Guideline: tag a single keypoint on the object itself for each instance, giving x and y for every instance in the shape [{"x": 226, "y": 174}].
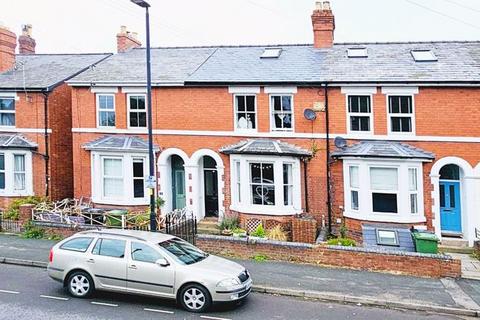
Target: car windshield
[{"x": 183, "y": 251}]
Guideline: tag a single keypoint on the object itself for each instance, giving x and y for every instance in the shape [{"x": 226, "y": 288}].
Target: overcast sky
[{"x": 91, "y": 25}]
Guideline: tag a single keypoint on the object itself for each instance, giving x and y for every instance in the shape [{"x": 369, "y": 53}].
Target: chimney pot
[
  {"x": 326, "y": 5},
  {"x": 123, "y": 29},
  {"x": 319, "y": 5},
  {"x": 27, "y": 43}
]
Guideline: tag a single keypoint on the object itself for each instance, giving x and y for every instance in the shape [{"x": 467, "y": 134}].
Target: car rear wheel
[
  {"x": 195, "y": 298},
  {"x": 80, "y": 284}
]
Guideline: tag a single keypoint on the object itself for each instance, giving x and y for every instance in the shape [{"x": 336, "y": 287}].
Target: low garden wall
[{"x": 408, "y": 263}]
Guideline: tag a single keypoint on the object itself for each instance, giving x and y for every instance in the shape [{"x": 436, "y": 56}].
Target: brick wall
[{"x": 416, "y": 264}]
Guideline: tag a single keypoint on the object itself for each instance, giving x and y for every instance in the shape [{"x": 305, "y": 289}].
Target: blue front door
[{"x": 450, "y": 210}]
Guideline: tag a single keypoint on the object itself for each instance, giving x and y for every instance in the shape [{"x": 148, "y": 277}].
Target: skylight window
[
  {"x": 271, "y": 53},
  {"x": 357, "y": 53},
  {"x": 424, "y": 56}
]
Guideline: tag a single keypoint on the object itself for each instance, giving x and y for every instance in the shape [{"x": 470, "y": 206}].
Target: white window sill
[
  {"x": 266, "y": 210},
  {"x": 16, "y": 194},
  {"x": 385, "y": 217}
]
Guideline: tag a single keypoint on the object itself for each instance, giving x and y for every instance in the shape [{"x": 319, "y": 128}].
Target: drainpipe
[
  {"x": 327, "y": 131},
  {"x": 46, "y": 155},
  {"x": 305, "y": 181}
]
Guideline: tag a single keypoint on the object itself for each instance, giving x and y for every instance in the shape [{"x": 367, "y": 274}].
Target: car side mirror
[{"x": 162, "y": 262}]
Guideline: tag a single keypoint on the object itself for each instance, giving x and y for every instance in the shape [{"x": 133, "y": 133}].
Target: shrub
[
  {"x": 259, "y": 232},
  {"x": 260, "y": 258},
  {"x": 229, "y": 223},
  {"x": 277, "y": 233},
  {"x": 344, "y": 242},
  {"x": 32, "y": 232},
  {"x": 13, "y": 210}
]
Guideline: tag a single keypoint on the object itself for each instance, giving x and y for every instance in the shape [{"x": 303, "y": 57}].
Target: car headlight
[{"x": 226, "y": 283}]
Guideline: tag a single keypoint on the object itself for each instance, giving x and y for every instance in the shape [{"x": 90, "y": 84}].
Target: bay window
[
  {"x": 16, "y": 177},
  {"x": 383, "y": 190},
  {"x": 119, "y": 179},
  {"x": 265, "y": 184}
]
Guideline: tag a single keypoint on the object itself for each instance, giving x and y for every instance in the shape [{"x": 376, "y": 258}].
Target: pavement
[
  {"x": 470, "y": 265},
  {"x": 459, "y": 297},
  {"x": 42, "y": 298}
]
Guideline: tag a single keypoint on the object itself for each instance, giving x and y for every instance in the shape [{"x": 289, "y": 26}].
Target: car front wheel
[
  {"x": 80, "y": 284},
  {"x": 195, "y": 298}
]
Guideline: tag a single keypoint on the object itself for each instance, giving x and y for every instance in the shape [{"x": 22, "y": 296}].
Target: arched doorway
[
  {"x": 210, "y": 186},
  {"x": 450, "y": 199},
  {"x": 178, "y": 182}
]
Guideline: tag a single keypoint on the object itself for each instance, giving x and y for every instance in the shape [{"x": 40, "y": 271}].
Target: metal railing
[{"x": 8, "y": 225}]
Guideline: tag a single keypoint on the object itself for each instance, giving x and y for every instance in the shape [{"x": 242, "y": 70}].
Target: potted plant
[
  {"x": 239, "y": 233},
  {"x": 259, "y": 233}
]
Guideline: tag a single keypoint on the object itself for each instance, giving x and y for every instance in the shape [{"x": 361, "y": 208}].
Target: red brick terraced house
[
  {"x": 35, "y": 118},
  {"x": 393, "y": 140}
]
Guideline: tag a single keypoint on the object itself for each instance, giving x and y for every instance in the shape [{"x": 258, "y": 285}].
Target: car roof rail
[{"x": 102, "y": 233}]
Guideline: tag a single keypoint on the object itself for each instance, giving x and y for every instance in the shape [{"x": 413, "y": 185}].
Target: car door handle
[
  {"x": 91, "y": 261},
  {"x": 134, "y": 267}
]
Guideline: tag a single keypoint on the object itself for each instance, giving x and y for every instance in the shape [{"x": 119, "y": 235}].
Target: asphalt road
[{"x": 28, "y": 293}]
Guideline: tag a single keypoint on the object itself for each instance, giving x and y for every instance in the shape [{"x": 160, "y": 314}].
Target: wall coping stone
[{"x": 46, "y": 224}]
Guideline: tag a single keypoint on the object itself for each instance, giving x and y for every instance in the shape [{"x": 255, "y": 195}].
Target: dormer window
[
  {"x": 357, "y": 53},
  {"x": 424, "y": 56},
  {"x": 271, "y": 53}
]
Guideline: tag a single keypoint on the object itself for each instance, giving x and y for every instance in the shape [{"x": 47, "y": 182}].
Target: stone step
[
  {"x": 454, "y": 242},
  {"x": 451, "y": 249}
]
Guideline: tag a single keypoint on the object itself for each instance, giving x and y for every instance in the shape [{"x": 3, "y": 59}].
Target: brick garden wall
[{"x": 416, "y": 264}]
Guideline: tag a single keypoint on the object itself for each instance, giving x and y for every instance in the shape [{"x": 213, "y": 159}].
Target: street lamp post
[{"x": 151, "y": 156}]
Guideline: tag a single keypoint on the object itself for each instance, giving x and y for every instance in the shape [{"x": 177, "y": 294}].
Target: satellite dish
[
  {"x": 309, "y": 114},
  {"x": 340, "y": 142}
]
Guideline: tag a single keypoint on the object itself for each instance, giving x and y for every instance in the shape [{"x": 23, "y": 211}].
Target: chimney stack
[
  {"x": 127, "y": 40},
  {"x": 323, "y": 22},
  {"x": 8, "y": 43},
  {"x": 27, "y": 43}
]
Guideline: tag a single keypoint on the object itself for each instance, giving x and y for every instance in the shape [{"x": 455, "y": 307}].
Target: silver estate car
[{"x": 146, "y": 263}]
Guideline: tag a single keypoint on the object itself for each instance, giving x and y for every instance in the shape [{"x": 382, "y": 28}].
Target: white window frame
[
  {"x": 103, "y": 176},
  {"x": 10, "y": 190},
  {"x": 135, "y": 110},
  {"x": 15, "y": 99},
  {"x": 353, "y": 189},
  {"x": 235, "y": 111},
  {"x": 97, "y": 98},
  {"x": 24, "y": 172},
  {"x": 3, "y": 171},
  {"x": 400, "y": 115},
  {"x": 365, "y": 211},
  {"x": 272, "y": 117},
  {"x": 359, "y": 114},
  {"x": 97, "y": 186},
  {"x": 245, "y": 205},
  {"x": 143, "y": 161},
  {"x": 395, "y": 192},
  {"x": 413, "y": 192}
]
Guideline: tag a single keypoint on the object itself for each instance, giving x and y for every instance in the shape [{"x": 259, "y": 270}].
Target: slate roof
[
  {"x": 42, "y": 71},
  {"x": 119, "y": 143},
  {"x": 169, "y": 65},
  {"x": 383, "y": 149},
  {"x": 265, "y": 147},
  {"x": 458, "y": 62},
  {"x": 393, "y": 62},
  {"x": 16, "y": 141}
]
